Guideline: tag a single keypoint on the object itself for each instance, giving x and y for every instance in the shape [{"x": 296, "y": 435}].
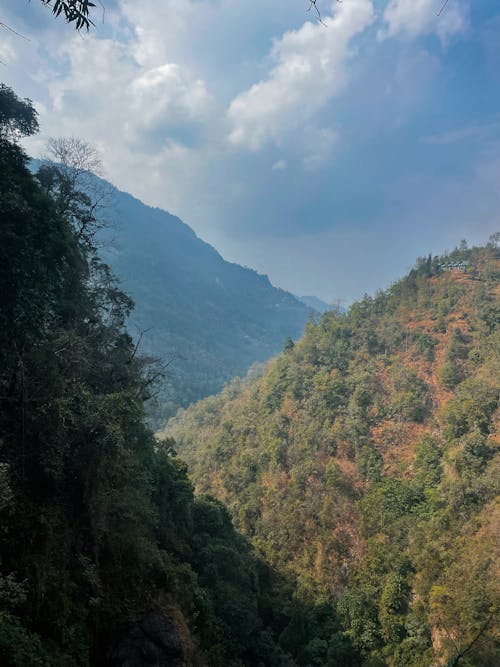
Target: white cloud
[
  {"x": 107, "y": 82},
  {"x": 148, "y": 122},
  {"x": 462, "y": 134},
  {"x": 160, "y": 28},
  {"x": 136, "y": 95},
  {"x": 421, "y": 17},
  {"x": 162, "y": 86},
  {"x": 280, "y": 165},
  {"x": 7, "y": 51},
  {"x": 309, "y": 70},
  {"x": 168, "y": 93}
]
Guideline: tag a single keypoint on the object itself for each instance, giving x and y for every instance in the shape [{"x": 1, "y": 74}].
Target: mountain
[
  {"x": 107, "y": 558},
  {"x": 363, "y": 464},
  {"x": 315, "y": 303},
  {"x": 209, "y": 319}
]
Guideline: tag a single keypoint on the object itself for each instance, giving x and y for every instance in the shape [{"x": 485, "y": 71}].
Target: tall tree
[{"x": 70, "y": 175}]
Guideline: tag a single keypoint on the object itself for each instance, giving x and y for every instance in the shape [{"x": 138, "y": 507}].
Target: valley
[{"x": 199, "y": 468}]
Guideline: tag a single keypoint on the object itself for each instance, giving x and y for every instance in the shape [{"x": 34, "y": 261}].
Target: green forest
[
  {"x": 106, "y": 555},
  {"x": 339, "y": 509},
  {"x": 363, "y": 466}
]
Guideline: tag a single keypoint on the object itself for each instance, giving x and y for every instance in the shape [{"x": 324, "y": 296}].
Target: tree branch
[
  {"x": 443, "y": 7},
  {"x": 74, "y": 11},
  {"x": 18, "y": 34},
  {"x": 313, "y": 3}
]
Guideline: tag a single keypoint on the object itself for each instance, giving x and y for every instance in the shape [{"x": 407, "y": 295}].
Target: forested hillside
[
  {"x": 363, "y": 464},
  {"x": 106, "y": 556},
  {"x": 361, "y": 467},
  {"x": 207, "y": 318}
]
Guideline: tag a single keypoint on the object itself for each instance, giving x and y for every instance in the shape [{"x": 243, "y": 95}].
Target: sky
[{"x": 328, "y": 156}]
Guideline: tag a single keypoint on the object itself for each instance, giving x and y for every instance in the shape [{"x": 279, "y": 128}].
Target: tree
[
  {"x": 79, "y": 11},
  {"x": 70, "y": 176},
  {"x": 27, "y": 220},
  {"x": 74, "y": 11},
  {"x": 18, "y": 118}
]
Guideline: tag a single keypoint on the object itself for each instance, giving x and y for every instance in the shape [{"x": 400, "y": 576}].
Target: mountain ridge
[
  {"x": 362, "y": 463},
  {"x": 204, "y": 318},
  {"x": 208, "y": 318},
  {"x": 315, "y": 303}
]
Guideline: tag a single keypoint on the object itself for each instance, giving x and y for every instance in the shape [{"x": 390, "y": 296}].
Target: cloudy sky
[{"x": 328, "y": 156}]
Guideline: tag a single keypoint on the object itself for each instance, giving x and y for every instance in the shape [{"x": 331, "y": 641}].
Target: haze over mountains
[
  {"x": 332, "y": 500},
  {"x": 353, "y": 502},
  {"x": 207, "y": 318},
  {"x": 315, "y": 303}
]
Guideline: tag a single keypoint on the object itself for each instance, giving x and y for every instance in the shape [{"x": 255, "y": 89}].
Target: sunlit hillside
[
  {"x": 364, "y": 462},
  {"x": 198, "y": 466}
]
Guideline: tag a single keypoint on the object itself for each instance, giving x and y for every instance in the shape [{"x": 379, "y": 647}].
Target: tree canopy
[
  {"x": 107, "y": 557},
  {"x": 364, "y": 463}
]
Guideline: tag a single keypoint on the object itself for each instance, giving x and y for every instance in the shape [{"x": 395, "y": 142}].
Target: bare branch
[
  {"x": 460, "y": 653},
  {"x": 138, "y": 343},
  {"x": 442, "y": 8},
  {"x": 481, "y": 630},
  {"x": 313, "y": 3},
  {"x": 451, "y": 638},
  {"x": 72, "y": 175},
  {"x": 153, "y": 370},
  {"x": 18, "y": 34},
  {"x": 103, "y": 10}
]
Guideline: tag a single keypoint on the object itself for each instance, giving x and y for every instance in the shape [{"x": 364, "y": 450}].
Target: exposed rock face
[{"x": 158, "y": 639}]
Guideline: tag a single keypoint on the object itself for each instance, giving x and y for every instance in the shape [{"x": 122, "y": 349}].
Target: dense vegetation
[
  {"x": 364, "y": 464},
  {"x": 106, "y": 556},
  {"x": 207, "y": 318},
  {"x": 361, "y": 465}
]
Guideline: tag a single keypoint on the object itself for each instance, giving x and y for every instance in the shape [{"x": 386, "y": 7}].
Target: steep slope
[
  {"x": 106, "y": 556},
  {"x": 315, "y": 304},
  {"x": 364, "y": 463},
  {"x": 208, "y": 318}
]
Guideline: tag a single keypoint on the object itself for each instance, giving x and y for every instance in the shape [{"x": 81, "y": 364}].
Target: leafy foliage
[
  {"x": 363, "y": 475},
  {"x": 18, "y": 118},
  {"x": 101, "y": 533},
  {"x": 363, "y": 463},
  {"x": 74, "y": 11}
]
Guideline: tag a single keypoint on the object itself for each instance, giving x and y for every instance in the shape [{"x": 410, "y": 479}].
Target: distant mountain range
[
  {"x": 313, "y": 303},
  {"x": 209, "y": 319}
]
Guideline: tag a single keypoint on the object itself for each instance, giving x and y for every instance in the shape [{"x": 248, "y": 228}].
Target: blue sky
[{"x": 328, "y": 157}]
